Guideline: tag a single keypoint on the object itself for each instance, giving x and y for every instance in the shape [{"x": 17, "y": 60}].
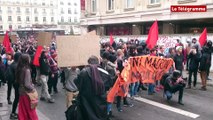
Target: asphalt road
[{"x": 196, "y": 101}]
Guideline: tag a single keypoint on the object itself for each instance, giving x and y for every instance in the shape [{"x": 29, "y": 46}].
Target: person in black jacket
[
  {"x": 44, "y": 72},
  {"x": 2, "y": 71},
  {"x": 194, "y": 59},
  {"x": 174, "y": 83},
  {"x": 205, "y": 63},
  {"x": 92, "y": 83},
  {"x": 12, "y": 68}
]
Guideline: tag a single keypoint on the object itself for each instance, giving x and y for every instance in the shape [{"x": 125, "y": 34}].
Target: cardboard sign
[
  {"x": 44, "y": 38},
  {"x": 1, "y": 39},
  {"x": 76, "y": 50},
  {"x": 13, "y": 38}
]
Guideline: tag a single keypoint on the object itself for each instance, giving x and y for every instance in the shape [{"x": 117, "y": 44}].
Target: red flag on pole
[
  {"x": 111, "y": 40},
  {"x": 6, "y": 43},
  {"x": 152, "y": 36},
  {"x": 203, "y": 38},
  {"x": 37, "y": 56}
]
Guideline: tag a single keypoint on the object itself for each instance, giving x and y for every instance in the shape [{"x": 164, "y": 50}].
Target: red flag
[
  {"x": 153, "y": 36},
  {"x": 203, "y": 38},
  {"x": 111, "y": 40},
  {"x": 37, "y": 56},
  {"x": 6, "y": 43}
]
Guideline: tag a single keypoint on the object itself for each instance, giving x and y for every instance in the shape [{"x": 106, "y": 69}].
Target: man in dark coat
[
  {"x": 205, "y": 64},
  {"x": 92, "y": 83},
  {"x": 194, "y": 59},
  {"x": 12, "y": 68}
]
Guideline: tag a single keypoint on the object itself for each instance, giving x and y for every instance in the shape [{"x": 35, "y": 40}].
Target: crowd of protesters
[{"x": 90, "y": 84}]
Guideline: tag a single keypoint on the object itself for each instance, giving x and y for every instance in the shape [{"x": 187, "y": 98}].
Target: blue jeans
[
  {"x": 134, "y": 88},
  {"x": 109, "y": 107},
  {"x": 151, "y": 88}
]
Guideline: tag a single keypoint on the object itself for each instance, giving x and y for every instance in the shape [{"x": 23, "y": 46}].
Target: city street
[{"x": 197, "y": 106}]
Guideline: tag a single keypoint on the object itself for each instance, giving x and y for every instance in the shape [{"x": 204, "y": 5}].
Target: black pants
[
  {"x": 16, "y": 100},
  {"x": 118, "y": 105},
  {"x": 178, "y": 87},
  {"x": 194, "y": 72},
  {"x": 187, "y": 63},
  {"x": 9, "y": 89},
  {"x": 208, "y": 71},
  {"x": 52, "y": 83}
]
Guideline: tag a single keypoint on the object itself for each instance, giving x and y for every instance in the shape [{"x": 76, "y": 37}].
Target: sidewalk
[
  {"x": 5, "y": 109},
  {"x": 209, "y": 82}
]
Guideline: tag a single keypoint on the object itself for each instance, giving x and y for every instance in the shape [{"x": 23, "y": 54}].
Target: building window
[
  {"x": 69, "y": 3},
  {"x": 110, "y": 4},
  {"x": 19, "y": 26},
  {"x": 19, "y": 18},
  {"x": 0, "y": 18},
  {"x": 52, "y": 19},
  {"x": 18, "y": 10},
  {"x": 94, "y": 5},
  {"x": 69, "y": 11},
  {"x": 62, "y": 19},
  {"x": 44, "y": 10},
  {"x": 9, "y": 9},
  {"x": 52, "y": 12},
  {"x": 61, "y": 3},
  {"x": 35, "y": 10},
  {"x": 0, "y": 9},
  {"x": 27, "y": 10},
  {"x": 1, "y": 27},
  {"x": 36, "y": 19},
  {"x": 51, "y": 3},
  {"x": 76, "y": 3},
  {"x": 9, "y": 18},
  {"x": 154, "y": 1},
  {"x": 43, "y": 3},
  {"x": 62, "y": 11},
  {"x": 129, "y": 3},
  {"x": 27, "y": 18},
  {"x": 75, "y": 19},
  {"x": 44, "y": 19},
  {"x": 76, "y": 11},
  {"x": 70, "y": 20}
]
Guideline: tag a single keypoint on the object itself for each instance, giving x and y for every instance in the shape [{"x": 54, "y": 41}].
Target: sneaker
[
  {"x": 203, "y": 88},
  {"x": 13, "y": 116},
  {"x": 51, "y": 100},
  {"x": 42, "y": 99},
  {"x": 128, "y": 105},
  {"x": 132, "y": 98},
  {"x": 10, "y": 102},
  {"x": 188, "y": 87},
  {"x": 180, "y": 102},
  {"x": 120, "y": 110}
]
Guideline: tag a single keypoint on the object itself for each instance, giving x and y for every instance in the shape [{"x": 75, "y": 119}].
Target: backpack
[{"x": 163, "y": 79}]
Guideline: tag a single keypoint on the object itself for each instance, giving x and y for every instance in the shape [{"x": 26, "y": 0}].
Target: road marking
[
  {"x": 41, "y": 116},
  {"x": 169, "y": 108}
]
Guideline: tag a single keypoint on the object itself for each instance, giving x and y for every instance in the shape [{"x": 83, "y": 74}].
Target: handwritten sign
[
  {"x": 76, "y": 50},
  {"x": 44, "y": 38},
  {"x": 150, "y": 68}
]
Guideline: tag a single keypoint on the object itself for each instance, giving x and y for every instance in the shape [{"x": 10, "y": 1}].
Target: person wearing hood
[
  {"x": 91, "y": 84},
  {"x": 12, "y": 68},
  {"x": 194, "y": 58},
  {"x": 174, "y": 83},
  {"x": 205, "y": 63}
]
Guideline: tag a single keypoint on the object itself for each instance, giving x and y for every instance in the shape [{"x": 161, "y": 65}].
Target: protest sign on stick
[
  {"x": 75, "y": 50},
  {"x": 1, "y": 39},
  {"x": 44, "y": 38}
]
